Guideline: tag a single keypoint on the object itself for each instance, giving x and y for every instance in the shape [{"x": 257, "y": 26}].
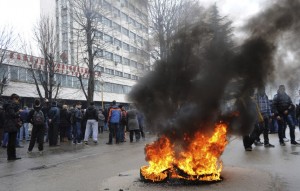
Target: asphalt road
[{"x": 105, "y": 167}]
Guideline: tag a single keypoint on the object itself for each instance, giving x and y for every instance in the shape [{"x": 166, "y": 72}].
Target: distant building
[{"x": 119, "y": 64}]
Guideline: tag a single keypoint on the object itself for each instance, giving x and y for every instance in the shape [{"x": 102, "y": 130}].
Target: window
[
  {"x": 117, "y": 58},
  {"x": 131, "y": 35},
  {"x": 106, "y": 5},
  {"x": 134, "y": 77},
  {"x": 132, "y": 49},
  {"x": 131, "y": 21},
  {"x": 118, "y": 73},
  {"x": 126, "y": 61},
  {"x": 117, "y": 88},
  {"x": 126, "y": 89},
  {"x": 99, "y": 53},
  {"x": 109, "y": 71},
  {"x": 124, "y": 3},
  {"x": 126, "y": 75},
  {"x": 22, "y": 74},
  {"x": 140, "y": 66},
  {"x": 125, "y": 31},
  {"x": 116, "y": 26},
  {"x": 116, "y": 12},
  {"x": 125, "y": 46},
  {"x": 69, "y": 80},
  {"x": 108, "y": 38},
  {"x": 145, "y": 29},
  {"x": 138, "y": 25},
  {"x": 117, "y": 43},
  {"x": 63, "y": 80},
  {"x": 99, "y": 69},
  {"x": 139, "y": 39},
  {"x": 133, "y": 63},
  {"x": 108, "y": 55},
  {"x": 139, "y": 13},
  {"x": 147, "y": 68},
  {"x": 3, "y": 71},
  {"x": 99, "y": 34},
  {"x": 107, "y": 87},
  {"x": 131, "y": 7},
  {"x": 138, "y": 51},
  {"x": 14, "y": 73},
  {"x": 106, "y": 21},
  {"x": 124, "y": 17}
]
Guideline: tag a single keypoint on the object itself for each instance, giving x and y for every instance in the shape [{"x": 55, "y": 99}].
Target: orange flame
[{"x": 199, "y": 161}]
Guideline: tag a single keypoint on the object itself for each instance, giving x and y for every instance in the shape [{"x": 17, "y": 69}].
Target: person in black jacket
[
  {"x": 11, "y": 121},
  {"x": 64, "y": 123},
  {"x": 37, "y": 118},
  {"x": 282, "y": 107},
  {"x": 91, "y": 115},
  {"x": 54, "y": 118}
]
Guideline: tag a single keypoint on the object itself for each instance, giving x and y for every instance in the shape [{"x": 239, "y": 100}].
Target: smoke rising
[{"x": 184, "y": 94}]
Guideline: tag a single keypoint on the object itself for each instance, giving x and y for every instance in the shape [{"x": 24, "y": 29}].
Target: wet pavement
[{"x": 116, "y": 167}]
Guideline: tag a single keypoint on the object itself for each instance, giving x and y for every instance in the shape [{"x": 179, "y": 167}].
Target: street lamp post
[{"x": 102, "y": 83}]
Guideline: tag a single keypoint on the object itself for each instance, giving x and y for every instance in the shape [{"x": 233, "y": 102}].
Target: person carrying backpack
[
  {"x": 114, "y": 118},
  {"x": 37, "y": 118}
]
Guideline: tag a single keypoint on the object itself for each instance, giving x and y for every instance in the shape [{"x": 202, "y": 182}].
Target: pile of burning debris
[{"x": 198, "y": 162}]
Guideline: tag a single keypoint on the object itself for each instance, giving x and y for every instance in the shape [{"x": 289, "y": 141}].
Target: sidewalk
[{"x": 64, "y": 147}]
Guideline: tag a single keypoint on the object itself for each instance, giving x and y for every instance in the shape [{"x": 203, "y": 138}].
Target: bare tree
[
  {"x": 45, "y": 37},
  {"x": 7, "y": 40},
  {"x": 89, "y": 30},
  {"x": 166, "y": 17}
]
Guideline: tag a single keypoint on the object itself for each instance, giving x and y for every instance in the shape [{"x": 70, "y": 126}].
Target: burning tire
[{"x": 160, "y": 177}]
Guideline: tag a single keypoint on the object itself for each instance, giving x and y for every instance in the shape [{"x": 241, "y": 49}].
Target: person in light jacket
[{"x": 133, "y": 124}]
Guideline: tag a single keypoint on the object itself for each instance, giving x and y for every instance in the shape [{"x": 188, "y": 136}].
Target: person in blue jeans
[
  {"x": 76, "y": 118},
  {"x": 114, "y": 119},
  {"x": 282, "y": 107},
  {"x": 24, "y": 129}
]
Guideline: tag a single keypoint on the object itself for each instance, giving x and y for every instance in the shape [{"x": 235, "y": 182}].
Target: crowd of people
[
  {"x": 279, "y": 113},
  {"x": 56, "y": 124}
]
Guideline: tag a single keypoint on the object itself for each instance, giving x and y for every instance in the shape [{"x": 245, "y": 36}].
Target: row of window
[
  {"x": 124, "y": 3},
  {"x": 19, "y": 74},
  {"x": 122, "y": 30},
  {"x": 116, "y": 73},
  {"x": 120, "y": 60}
]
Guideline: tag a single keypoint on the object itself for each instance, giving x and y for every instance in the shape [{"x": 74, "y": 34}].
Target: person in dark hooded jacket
[
  {"x": 53, "y": 119},
  {"x": 282, "y": 107},
  {"x": 11, "y": 125},
  {"x": 37, "y": 118}
]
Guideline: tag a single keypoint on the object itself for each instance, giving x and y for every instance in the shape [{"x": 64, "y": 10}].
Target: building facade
[{"x": 122, "y": 57}]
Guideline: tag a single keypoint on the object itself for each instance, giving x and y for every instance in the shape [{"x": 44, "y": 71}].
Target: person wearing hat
[
  {"x": 12, "y": 124},
  {"x": 54, "y": 119}
]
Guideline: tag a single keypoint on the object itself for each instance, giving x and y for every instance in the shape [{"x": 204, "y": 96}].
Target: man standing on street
[
  {"x": 114, "y": 118},
  {"x": 53, "y": 116},
  {"x": 11, "y": 125},
  {"x": 37, "y": 119},
  {"x": 283, "y": 105},
  {"x": 263, "y": 103},
  {"x": 91, "y": 115}
]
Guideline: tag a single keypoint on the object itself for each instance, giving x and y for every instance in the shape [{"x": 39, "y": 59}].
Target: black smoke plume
[{"x": 184, "y": 94}]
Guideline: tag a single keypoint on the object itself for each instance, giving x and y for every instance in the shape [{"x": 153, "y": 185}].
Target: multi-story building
[
  {"x": 122, "y": 42},
  {"x": 121, "y": 60}
]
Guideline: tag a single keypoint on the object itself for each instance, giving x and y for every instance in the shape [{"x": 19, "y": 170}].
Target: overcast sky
[{"x": 23, "y": 14}]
